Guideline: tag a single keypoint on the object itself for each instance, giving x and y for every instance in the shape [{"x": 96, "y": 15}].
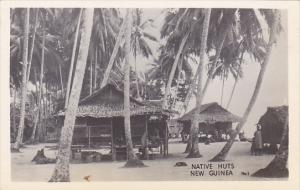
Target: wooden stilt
[
  {"x": 146, "y": 148},
  {"x": 113, "y": 150},
  {"x": 166, "y": 139},
  {"x": 89, "y": 136}
]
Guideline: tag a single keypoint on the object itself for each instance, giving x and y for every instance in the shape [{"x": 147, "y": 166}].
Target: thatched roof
[
  {"x": 211, "y": 112},
  {"x": 279, "y": 113},
  {"x": 272, "y": 123},
  {"x": 109, "y": 102}
]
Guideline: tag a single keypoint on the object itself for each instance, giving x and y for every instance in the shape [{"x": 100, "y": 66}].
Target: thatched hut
[
  {"x": 174, "y": 127},
  {"x": 213, "y": 120},
  {"x": 100, "y": 123},
  {"x": 272, "y": 124}
]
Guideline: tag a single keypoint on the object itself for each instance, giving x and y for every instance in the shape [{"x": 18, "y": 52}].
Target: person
[
  {"x": 258, "y": 145},
  {"x": 144, "y": 145}
]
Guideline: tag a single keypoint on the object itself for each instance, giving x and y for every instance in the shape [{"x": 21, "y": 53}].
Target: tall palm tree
[
  {"x": 72, "y": 59},
  {"x": 61, "y": 172},
  {"x": 32, "y": 43},
  {"x": 224, "y": 27},
  {"x": 194, "y": 150},
  {"x": 38, "y": 116},
  {"x": 275, "y": 27},
  {"x": 139, "y": 42},
  {"x": 132, "y": 161},
  {"x": 19, "y": 138}
]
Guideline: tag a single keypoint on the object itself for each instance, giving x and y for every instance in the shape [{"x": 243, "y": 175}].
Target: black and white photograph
[{"x": 191, "y": 93}]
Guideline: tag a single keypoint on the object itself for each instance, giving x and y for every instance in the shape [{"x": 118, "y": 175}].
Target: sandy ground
[{"x": 161, "y": 169}]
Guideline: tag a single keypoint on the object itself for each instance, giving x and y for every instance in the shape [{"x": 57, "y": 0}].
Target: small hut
[
  {"x": 214, "y": 120},
  {"x": 100, "y": 124},
  {"x": 174, "y": 128},
  {"x": 272, "y": 124}
]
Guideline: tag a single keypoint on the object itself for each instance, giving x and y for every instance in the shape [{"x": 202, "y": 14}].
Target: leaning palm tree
[
  {"x": 61, "y": 172},
  {"x": 275, "y": 27},
  {"x": 194, "y": 140},
  {"x": 113, "y": 55},
  {"x": 19, "y": 138},
  {"x": 132, "y": 161},
  {"x": 139, "y": 44}
]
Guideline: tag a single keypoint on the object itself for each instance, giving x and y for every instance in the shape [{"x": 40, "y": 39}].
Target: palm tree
[
  {"x": 40, "y": 90},
  {"x": 224, "y": 28},
  {"x": 172, "y": 73},
  {"x": 32, "y": 43},
  {"x": 132, "y": 161},
  {"x": 194, "y": 150},
  {"x": 139, "y": 43},
  {"x": 113, "y": 55},
  {"x": 61, "y": 171},
  {"x": 19, "y": 138},
  {"x": 275, "y": 27},
  {"x": 72, "y": 59}
]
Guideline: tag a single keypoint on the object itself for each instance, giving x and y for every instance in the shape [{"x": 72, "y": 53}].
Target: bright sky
[{"x": 274, "y": 90}]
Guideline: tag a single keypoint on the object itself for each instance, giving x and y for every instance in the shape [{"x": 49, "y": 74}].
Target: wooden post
[
  {"x": 146, "y": 148},
  {"x": 89, "y": 136},
  {"x": 113, "y": 150},
  {"x": 166, "y": 139}
]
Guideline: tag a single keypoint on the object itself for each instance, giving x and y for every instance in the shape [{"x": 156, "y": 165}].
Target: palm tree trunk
[
  {"x": 95, "y": 68},
  {"x": 91, "y": 76},
  {"x": 177, "y": 83},
  {"x": 222, "y": 91},
  {"x": 32, "y": 45},
  {"x": 19, "y": 138},
  {"x": 40, "y": 127},
  {"x": 194, "y": 150},
  {"x": 223, "y": 153},
  {"x": 32, "y": 138},
  {"x": 61, "y": 172},
  {"x": 231, "y": 94},
  {"x": 113, "y": 56},
  {"x": 235, "y": 82},
  {"x": 72, "y": 60},
  {"x": 14, "y": 128},
  {"x": 277, "y": 167},
  {"x": 132, "y": 161},
  {"x": 224, "y": 33},
  {"x": 137, "y": 78},
  {"x": 61, "y": 81},
  {"x": 172, "y": 73}
]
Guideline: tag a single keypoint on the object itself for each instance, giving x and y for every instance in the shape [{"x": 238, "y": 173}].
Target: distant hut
[
  {"x": 100, "y": 123},
  {"x": 272, "y": 124},
  {"x": 175, "y": 128},
  {"x": 213, "y": 119}
]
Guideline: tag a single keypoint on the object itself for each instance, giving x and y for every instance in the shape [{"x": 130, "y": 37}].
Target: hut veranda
[{"x": 99, "y": 125}]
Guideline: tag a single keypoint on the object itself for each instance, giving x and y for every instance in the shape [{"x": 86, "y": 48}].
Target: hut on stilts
[
  {"x": 100, "y": 125},
  {"x": 214, "y": 121}
]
